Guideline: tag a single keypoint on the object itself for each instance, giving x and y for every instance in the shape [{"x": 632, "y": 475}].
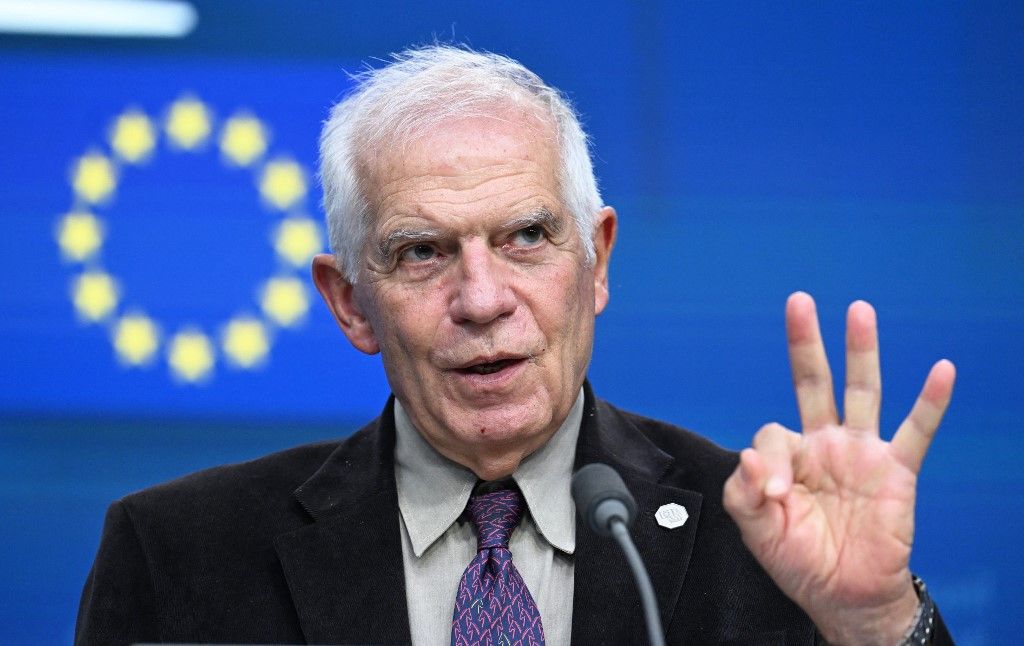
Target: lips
[
  {"x": 489, "y": 367},
  {"x": 485, "y": 377}
]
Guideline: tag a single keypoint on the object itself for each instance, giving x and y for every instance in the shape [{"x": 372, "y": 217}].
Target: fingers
[
  {"x": 764, "y": 475},
  {"x": 916, "y": 432},
  {"x": 863, "y": 392},
  {"x": 812, "y": 377}
]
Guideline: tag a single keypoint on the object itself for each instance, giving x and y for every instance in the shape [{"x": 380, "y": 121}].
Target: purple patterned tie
[{"x": 493, "y": 606}]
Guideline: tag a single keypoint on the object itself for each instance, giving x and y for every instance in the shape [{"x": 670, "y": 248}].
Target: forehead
[{"x": 504, "y": 158}]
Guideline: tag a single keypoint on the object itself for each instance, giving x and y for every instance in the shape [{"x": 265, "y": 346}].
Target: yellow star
[
  {"x": 246, "y": 342},
  {"x": 190, "y": 355},
  {"x": 94, "y": 294},
  {"x": 136, "y": 339},
  {"x": 297, "y": 240},
  {"x": 79, "y": 235},
  {"x": 243, "y": 140},
  {"x": 284, "y": 300},
  {"x": 133, "y": 136},
  {"x": 282, "y": 183},
  {"x": 188, "y": 123},
  {"x": 93, "y": 177}
]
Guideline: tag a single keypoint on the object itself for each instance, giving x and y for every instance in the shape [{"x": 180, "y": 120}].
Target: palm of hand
[
  {"x": 846, "y": 511},
  {"x": 829, "y": 513}
]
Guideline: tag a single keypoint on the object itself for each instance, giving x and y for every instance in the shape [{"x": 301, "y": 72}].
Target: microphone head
[{"x": 600, "y": 496}]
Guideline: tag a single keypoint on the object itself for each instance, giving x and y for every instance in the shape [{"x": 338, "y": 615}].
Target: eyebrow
[{"x": 541, "y": 216}]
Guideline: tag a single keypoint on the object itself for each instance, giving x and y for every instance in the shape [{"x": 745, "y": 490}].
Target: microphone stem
[{"x": 643, "y": 582}]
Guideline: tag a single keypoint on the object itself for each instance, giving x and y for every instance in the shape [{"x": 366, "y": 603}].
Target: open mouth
[{"x": 489, "y": 367}]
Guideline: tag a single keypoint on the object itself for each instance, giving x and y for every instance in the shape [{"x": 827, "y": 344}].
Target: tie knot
[{"x": 495, "y": 515}]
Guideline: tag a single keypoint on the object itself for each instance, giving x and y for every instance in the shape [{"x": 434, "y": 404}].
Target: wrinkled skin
[{"x": 483, "y": 265}]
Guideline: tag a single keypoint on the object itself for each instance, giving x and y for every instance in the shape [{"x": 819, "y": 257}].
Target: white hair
[{"x": 419, "y": 89}]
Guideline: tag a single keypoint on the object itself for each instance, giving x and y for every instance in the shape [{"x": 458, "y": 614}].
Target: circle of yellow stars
[{"x": 191, "y": 353}]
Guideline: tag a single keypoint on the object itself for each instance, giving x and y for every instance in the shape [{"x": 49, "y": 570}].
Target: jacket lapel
[
  {"x": 606, "y": 606},
  {"x": 344, "y": 571}
]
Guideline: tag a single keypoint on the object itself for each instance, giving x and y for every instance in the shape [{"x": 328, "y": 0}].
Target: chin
[{"x": 506, "y": 424}]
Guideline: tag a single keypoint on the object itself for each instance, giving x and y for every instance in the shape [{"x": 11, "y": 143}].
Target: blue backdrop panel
[{"x": 869, "y": 151}]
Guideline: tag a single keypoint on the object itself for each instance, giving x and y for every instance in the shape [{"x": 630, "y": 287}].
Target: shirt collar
[
  {"x": 433, "y": 490},
  {"x": 545, "y": 478}
]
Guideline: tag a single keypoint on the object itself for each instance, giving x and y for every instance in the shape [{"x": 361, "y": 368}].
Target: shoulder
[
  {"x": 239, "y": 507},
  {"x": 282, "y": 471},
  {"x": 191, "y": 551},
  {"x": 248, "y": 501},
  {"x": 699, "y": 459}
]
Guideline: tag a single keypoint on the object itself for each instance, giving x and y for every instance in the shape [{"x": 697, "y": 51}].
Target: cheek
[
  {"x": 409, "y": 321},
  {"x": 564, "y": 313}
]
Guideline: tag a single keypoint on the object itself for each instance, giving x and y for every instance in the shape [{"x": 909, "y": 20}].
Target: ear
[
  {"x": 340, "y": 296},
  {"x": 604, "y": 240}
]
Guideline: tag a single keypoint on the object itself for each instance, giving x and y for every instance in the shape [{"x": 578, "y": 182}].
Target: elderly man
[{"x": 471, "y": 250}]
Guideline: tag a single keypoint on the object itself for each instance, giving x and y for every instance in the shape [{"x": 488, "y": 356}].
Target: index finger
[{"x": 812, "y": 377}]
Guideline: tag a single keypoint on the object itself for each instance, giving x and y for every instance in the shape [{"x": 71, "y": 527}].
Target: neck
[{"x": 493, "y": 462}]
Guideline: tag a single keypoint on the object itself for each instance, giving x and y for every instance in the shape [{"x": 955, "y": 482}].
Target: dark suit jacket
[{"x": 304, "y": 546}]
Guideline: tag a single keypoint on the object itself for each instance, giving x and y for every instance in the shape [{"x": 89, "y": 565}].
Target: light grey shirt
[{"x": 437, "y": 545}]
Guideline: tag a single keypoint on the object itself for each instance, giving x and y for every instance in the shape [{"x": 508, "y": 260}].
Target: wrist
[{"x": 878, "y": 626}]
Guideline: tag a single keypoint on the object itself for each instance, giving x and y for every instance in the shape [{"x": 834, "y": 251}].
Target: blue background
[{"x": 868, "y": 151}]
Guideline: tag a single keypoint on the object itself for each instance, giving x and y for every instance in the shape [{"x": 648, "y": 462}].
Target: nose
[{"x": 483, "y": 293}]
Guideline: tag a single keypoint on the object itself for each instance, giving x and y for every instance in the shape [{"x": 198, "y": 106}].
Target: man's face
[{"x": 476, "y": 290}]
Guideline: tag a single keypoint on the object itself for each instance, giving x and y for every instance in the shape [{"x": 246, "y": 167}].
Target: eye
[
  {"x": 419, "y": 253},
  {"x": 528, "y": 236}
]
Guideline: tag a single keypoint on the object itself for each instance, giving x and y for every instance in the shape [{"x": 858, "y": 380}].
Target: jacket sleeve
[
  {"x": 940, "y": 634},
  {"x": 118, "y": 603}
]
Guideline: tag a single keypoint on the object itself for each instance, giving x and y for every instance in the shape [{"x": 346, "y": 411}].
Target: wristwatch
[{"x": 922, "y": 629}]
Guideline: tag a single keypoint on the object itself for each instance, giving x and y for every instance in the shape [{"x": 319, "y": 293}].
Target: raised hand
[{"x": 829, "y": 512}]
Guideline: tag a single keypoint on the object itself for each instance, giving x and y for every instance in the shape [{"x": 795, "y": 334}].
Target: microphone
[{"x": 603, "y": 501}]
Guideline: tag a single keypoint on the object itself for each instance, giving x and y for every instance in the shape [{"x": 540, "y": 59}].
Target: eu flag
[{"x": 161, "y": 220}]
